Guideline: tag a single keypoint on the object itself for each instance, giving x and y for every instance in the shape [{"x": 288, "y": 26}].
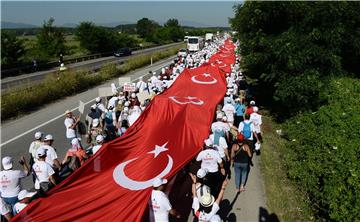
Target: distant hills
[{"x": 17, "y": 25}]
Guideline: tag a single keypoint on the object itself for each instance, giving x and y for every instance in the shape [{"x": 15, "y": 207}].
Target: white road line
[{"x": 55, "y": 118}]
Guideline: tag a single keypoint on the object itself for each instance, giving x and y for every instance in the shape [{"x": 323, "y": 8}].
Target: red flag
[{"x": 116, "y": 183}]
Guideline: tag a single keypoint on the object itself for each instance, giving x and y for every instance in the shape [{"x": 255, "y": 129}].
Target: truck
[
  {"x": 209, "y": 37},
  {"x": 195, "y": 43}
]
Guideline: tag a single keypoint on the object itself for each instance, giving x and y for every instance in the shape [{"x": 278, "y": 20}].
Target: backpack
[
  {"x": 217, "y": 134},
  {"x": 247, "y": 130},
  {"x": 108, "y": 118}
]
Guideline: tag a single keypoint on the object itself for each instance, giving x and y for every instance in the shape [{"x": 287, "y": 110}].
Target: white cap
[
  {"x": 99, "y": 138},
  {"x": 206, "y": 200},
  {"x": 67, "y": 111},
  {"x": 7, "y": 163},
  {"x": 127, "y": 103},
  {"x": 219, "y": 116},
  {"x": 208, "y": 143},
  {"x": 98, "y": 99},
  {"x": 93, "y": 106},
  {"x": 158, "y": 182},
  {"x": 24, "y": 193},
  {"x": 133, "y": 95},
  {"x": 154, "y": 73},
  {"x": 38, "y": 135},
  {"x": 95, "y": 122},
  {"x": 48, "y": 137},
  {"x": 75, "y": 141},
  {"x": 41, "y": 151},
  {"x": 126, "y": 109},
  {"x": 201, "y": 173},
  {"x": 252, "y": 102},
  {"x": 255, "y": 109}
]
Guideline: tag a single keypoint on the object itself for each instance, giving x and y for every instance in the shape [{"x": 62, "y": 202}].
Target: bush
[
  {"x": 324, "y": 149},
  {"x": 54, "y": 87}
]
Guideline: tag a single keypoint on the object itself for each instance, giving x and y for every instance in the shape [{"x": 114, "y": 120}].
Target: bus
[{"x": 195, "y": 43}]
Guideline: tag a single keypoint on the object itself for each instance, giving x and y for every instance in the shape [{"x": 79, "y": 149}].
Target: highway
[
  {"x": 95, "y": 64},
  {"x": 16, "y": 135}
]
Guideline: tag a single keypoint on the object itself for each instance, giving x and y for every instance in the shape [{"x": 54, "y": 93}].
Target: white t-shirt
[
  {"x": 255, "y": 118},
  {"x": 5, "y": 209},
  {"x": 10, "y": 182},
  {"x": 241, "y": 127},
  {"x": 112, "y": 101},
  {"x": 209, "y": 160},
  {"x": 19, "y": 207},
  {"x": 101, "y": 107},
  {"x": 160, "y": 205},
  {"x": 206, "y": 217},
  {"x": 50, "y": 154},
  {"x": 221, "y": 147},
  {"x": 33, "y": 147},
  {"x": 43, "y": 171},
  {"x": 70, "y": 133},
  {"x": 220, "y": 125},
  {"x": 95, "y": 148},
  {"x": 141, "y": 85},
  {"x": 229, "y": 111}
]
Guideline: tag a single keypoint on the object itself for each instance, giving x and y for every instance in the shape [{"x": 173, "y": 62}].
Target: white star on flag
[
  {"x": 159, "y": 149},
  {"x": 206, "y": 75}
]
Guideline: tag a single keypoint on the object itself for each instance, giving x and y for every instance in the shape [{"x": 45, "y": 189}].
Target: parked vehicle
[
  {"x": 122, "y": 52},
  {"x": 209, "y": 37},
  {"x": 195, "y": 43}
]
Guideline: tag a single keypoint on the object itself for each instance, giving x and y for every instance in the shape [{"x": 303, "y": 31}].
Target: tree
[
  {"x": 11, "y": 48},
  {"x": 146, "y": 28},
  {"x": 175, "y": 32},
  {"x": 51, "y": 40}
]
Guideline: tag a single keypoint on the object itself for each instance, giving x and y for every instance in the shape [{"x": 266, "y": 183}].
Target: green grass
[
  {"x": 284, "y": 198},
  {"x": 54, "y": 87}
]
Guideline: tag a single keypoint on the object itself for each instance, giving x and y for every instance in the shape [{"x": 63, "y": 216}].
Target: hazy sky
[{"x": 213, "y": 13}]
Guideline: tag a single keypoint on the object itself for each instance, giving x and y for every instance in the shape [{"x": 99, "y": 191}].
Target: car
[
  {"x": 122, "y": 52},
  {"x": 182, "y": 53}
]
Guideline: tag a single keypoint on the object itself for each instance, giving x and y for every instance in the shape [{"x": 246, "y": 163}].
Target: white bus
[{"x": 195, "y": 43}]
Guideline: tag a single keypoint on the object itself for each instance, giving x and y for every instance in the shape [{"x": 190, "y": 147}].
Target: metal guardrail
[{"x": 48, "y": 65}]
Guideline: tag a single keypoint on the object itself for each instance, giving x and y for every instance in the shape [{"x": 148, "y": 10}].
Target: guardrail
[{"x": 48, "y": 65}]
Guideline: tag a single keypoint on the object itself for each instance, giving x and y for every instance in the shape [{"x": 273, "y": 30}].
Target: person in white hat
[
  {"x": 206, "y": 206},
  {"x": 77, "y": 151},
  {"x": 219, "y": 127},
  {"x": 256, "y": 119},
  {"x": 99, "y": 141},
  {"x": 160, "y": 204},
  {"x": 200, "y": 181},
  {"x": 34, "y": 146},
  {"x": 95, "y": 130},
  {"x": 95, "y": 113},
  {"x": 24, "y": 198},
  {"x": 51, "y": 155},
  {"x": 44, "y": 172},
  {"x": 212, "y": 162},
  {"x": 229, "y": 111},
  {"x": 141, "y": 85},
  {"x": 70, "y": 123},
  {"x": 10, "y": 179}
]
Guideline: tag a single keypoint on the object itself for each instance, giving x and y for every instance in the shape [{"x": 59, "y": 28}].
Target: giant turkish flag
[{"x": 116, "y": 184}]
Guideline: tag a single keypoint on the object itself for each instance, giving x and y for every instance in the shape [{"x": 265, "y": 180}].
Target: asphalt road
[
  {"x": 16, "y": 135},
  {"x": 95, "y": 64}
]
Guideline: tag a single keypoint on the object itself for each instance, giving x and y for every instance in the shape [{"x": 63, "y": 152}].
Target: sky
[{"x": 209, "y": 13}]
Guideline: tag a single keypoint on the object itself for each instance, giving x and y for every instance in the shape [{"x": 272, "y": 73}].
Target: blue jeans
[
  {"x": 10, "y": 200},
  {"x": 241, "y": 170}
]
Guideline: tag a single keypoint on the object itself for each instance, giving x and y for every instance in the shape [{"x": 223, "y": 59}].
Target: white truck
[
  {"x": 209, "y": 37},
  {"x": 195, "y": 43}
]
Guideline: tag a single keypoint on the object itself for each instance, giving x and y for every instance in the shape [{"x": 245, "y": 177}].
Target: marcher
[
  {"x": 246, "y": 128},
  {"x": 160, "y": 204},
  {"x": 51, "y": 155},
  {"x": 70, "y": 123},
  {"x": 256, "y": 119},
  {"x": 10, "y": 180},
  {"x": 33, "y": 147},
  {"x": 240, "y": 158},
  {"x": 99, "y": 141},
  {"x": 44, "y": 173},
  {"x": 77, "y": 151},
  {"x": 240, "y": 110}
]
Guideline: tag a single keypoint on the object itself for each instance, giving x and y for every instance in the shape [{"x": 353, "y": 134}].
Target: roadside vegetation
[
  {"x": 59, "y": 85},
  {"x": 305, "y": 57}
]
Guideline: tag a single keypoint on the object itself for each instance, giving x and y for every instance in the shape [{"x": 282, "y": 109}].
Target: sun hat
[
  {"x": 24, "y": 194},
  {"x": 208, "y": 142},
  {"x": 67, "y": 111},
  {"x": 207, "y": 200},
  {"x": 41, "y": 152},
  {"x": 38, "y": 135},
  {"x": 201, "y": 173},
  {"x": 99, "y": 138},
  {"x": 48, "y": 137},
  {"x": 158, "y": 182},
  {"x": 7, "y": 163},
  {"x": 95, "y": 122}
]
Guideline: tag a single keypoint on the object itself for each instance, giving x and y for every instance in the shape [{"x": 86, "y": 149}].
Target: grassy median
[
  {"x": 283, "y": 196},
  {"x": 19, "y": 101}
]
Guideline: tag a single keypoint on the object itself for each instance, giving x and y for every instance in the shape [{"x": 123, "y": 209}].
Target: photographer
[{"x": 10, "y": 180}]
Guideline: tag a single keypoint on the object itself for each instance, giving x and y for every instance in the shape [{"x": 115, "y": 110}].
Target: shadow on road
[
  {"x": 264, "y": 216},
  {"x": 226, "y": 207}
]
